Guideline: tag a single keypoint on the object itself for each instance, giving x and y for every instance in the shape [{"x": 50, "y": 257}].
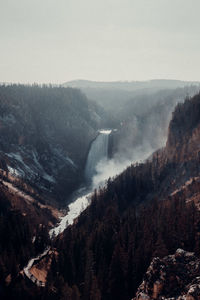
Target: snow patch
[
  {"x": 14, "y": 172},
  {"x": 48, "y": 178},
  {"x": 36, "y": 161},
  {"x": 17, "y": 156},
  {"x": 70, "y": 161},
  {"x": 31, "y": 171}
]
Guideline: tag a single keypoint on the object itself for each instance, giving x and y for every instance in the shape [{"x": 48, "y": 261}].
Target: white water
[
  {"x": 75, "y": 209},
  {"x": 105, "y": 131},
  {"x": 97, "y": 153}
]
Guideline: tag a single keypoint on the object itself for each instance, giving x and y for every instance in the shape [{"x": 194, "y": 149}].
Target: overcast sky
[{"x": 61, "y": 40}]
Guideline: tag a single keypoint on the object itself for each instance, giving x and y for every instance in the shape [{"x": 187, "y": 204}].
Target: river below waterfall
[
  {"x": 97, "y": 156},
  {"x": 98, "y": 151},
  {"x": 75, "y": 209}
]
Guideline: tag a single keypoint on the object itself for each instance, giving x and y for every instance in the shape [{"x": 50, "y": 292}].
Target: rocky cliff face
[
  {"x": 142, "y": 215},
  {"x": 144, "y": 122},
  {"x": 177, "y": 276},
  {"x": 24, "y": 226},
  {"x": 148, "y": 211},
  {"x": 45, "y": 134},
  {"x": 172, "y": 277}
]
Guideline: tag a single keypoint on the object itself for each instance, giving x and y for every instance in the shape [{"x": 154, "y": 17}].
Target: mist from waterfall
[
  {"x": 98, "y": 169},
  {"x": 98, "y": 152}
]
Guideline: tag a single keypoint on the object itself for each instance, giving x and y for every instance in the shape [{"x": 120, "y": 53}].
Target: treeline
[
  {"x": 185, "y": 119},
  {"x": 47, "y": 110},
  {"x": 23, "y": 234},
  {"x": 131, "y": 220},
  {"x": 134, "y": 218},
  {"x": 47, "y": 130},
  {"x": 107, "y": 253}
]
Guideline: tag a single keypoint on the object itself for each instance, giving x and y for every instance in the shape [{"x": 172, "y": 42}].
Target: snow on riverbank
[{"x": 75, "y": 209}]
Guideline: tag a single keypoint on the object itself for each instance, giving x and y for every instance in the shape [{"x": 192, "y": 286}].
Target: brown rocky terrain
[
  {"x": 148, "y": 211},
  {"x": 24, "y": 226},
  {"x": 40, "y": 269},
  {"x": 172, "y": 277},
  {"x": 142, "y": 215}
]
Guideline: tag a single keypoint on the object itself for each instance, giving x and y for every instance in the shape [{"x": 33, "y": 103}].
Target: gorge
[
  {"x": 98, "y": 151},
  {"x": 81, "y": 199},
  {"x": 105, "y": 245}
]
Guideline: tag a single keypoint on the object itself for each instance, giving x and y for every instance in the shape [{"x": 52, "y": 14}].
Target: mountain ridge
[
  {"x": 112, "y": 243},
  {"x": 137, "y": 216},
  {"x": 45, "y": 135},
  {"x": 129, "y": 84}
]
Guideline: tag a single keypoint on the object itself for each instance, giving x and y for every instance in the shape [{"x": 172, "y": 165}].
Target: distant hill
[
  {"x": 112, "y": 95},
  {"x": 130, "y": 85}
]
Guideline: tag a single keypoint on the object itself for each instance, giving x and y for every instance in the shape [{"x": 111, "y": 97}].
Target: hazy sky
[{"x": 61, "y": 40}]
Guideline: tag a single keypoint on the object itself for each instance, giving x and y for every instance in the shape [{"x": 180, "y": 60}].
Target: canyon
[{"x": 97, "y": 239}]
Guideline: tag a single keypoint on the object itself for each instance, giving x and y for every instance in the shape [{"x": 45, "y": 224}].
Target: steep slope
[
  {"x": 184, "y": 131},
  {"x": 142, "y": 111},
  {"x": 45, "y": 134},
  {"x": 173, "y": 277},
  {"x": 110, "y": 247},
  {"x": 150, "y": 210},
  {"x": 144, "y": 121},
  {"x": 24, "y": 226}
]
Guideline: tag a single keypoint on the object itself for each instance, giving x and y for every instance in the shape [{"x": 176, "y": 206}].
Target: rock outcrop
[
  {"x": 142, "y": 215},
  {"x": 45, "y": 135},
  {"x": 172, "y": 277}
]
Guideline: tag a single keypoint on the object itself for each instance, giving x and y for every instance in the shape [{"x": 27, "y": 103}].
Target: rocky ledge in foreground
[{"x": 172, "y": 277}]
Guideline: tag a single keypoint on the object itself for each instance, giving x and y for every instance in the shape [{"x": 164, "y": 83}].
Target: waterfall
[{"x": 98, "y": 151}]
